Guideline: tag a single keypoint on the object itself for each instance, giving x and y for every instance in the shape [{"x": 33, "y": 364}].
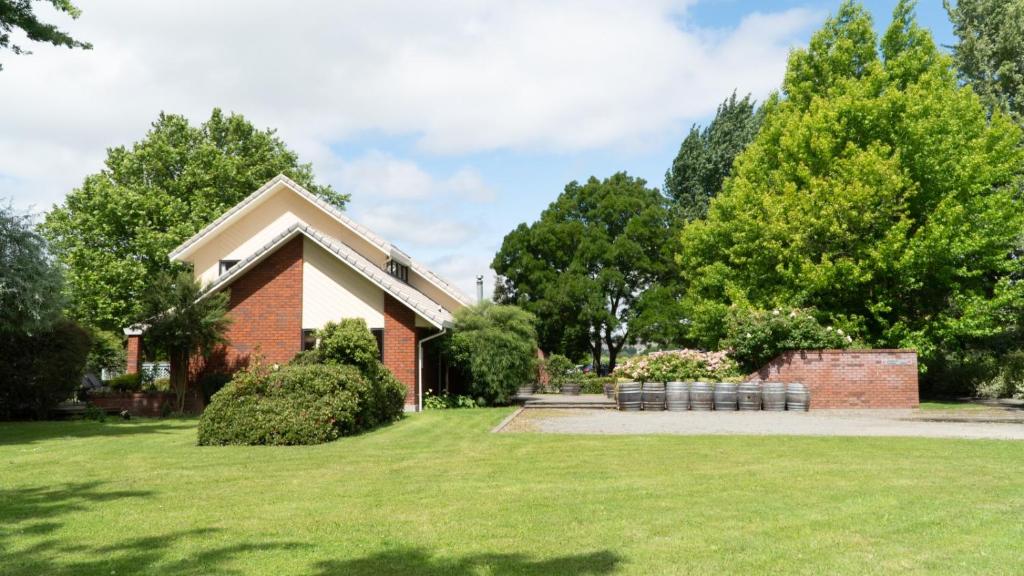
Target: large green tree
[
  {"x": 495, "y": 347},
  {"x": 30, "y": 283},
  {"x": 706, "y": 155},
  {"x": 584, "y": 267},
  {"x": 19, "y": 14},
  {"x": 878, "y": 191},
  {"x": 990, "y": 52},
  {"x": 114, "y": 232}
]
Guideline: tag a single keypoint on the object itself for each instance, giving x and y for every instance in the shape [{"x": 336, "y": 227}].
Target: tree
[
  {"x": 114, "y": 232},
  {"x": 182, "y": 321},
  {"x": 495, "y": 346},
  {"x": 30, "y": 284},
  {"x": 990, "y": 53},
  {"x": 584, "y": 266},
  {"x": 705, "y": 156},
  {"x": 878, "y": 191},
  {"x": 19, "y": 14}
]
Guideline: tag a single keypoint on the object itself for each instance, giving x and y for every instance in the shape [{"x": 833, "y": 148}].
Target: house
[{"x": 291, "y": 263}]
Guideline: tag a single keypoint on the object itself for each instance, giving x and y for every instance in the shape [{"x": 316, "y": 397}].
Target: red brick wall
[
  {"x": 134, "y": 354},
  {"x": 400, "y": 345},
  {"x": 266, "y": 308},
  {"x": 849, "y": 378}
]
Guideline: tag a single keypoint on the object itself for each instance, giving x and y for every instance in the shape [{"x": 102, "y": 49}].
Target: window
[
  {"x": 400, "y": 271},
  {"x": 378, "y": 333},
  {"x": 308, "y": 339},
  {"x": 226, "y": 265}
]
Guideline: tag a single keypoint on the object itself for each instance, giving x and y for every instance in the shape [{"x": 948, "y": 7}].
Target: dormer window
[
  {"x": 400, "y": 271},
  {"x": 225, "y": 265}
]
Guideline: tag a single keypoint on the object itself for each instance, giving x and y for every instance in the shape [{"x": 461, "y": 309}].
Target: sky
[{"x": 449, "y": 122}]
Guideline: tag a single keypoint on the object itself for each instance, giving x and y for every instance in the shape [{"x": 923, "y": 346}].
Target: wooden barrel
[
  {"x": 609, "y": 389},
  {"x": 725, "y": 396},
  {"x": 677, "y": 396},
  {"x": 749, "y": 396},
  {"x": 571, "y": 388},
  {"x": 525, "y": 390},
  {"x": 701, "y": 395},
  {"x": 798, "y": 397},
  {"x": 773, "y": 396},
  {"x": 654, "y": 396},
  {"x": 627, "y": 395}
]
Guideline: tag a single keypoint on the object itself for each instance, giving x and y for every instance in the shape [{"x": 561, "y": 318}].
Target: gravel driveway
[{"x": 814, "y": 423}]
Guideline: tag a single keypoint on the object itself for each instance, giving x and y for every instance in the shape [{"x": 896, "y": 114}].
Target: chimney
[{"x": 479, "y": 289}]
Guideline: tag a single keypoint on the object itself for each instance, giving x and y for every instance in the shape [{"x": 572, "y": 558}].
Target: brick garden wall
[
  {"x": 400, "y": 345},
  {"x": 849, "y": 378}
]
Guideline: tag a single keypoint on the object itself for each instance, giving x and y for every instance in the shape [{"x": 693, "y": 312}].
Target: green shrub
[
  {"x": 559, "y": 370},
  {"x": 107, "y": 351},
  {"x": 94, "y": 413},
  {"x": 756, "y": 337},
  {"x": 348, "y": 341},
  {"x": 126, "y": 383},
  {"x": 594, "y": 384},
  {"x": 209, "y": 384},
  {"x": 39, "y": 370},
  {"x": 1008, "y": 380},
  {"x": 446, "y": 401},
  {"x": 300, "y": 404},
  {"x": 161, "y": 385},
  {"x": 495, "y": 347}
]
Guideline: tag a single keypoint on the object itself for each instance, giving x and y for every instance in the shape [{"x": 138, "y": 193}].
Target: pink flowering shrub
[
  {"x": 678, "y": 365},
  {"x": 758, "y": 336}
]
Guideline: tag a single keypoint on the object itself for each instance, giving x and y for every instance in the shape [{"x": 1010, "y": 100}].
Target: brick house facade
[{"x": 290, "y": 263}]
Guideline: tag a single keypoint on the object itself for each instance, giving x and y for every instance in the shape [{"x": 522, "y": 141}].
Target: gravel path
[{"x": 821, "y": 423}]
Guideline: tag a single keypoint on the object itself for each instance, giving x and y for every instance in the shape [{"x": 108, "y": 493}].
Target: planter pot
[
  {"x": 701, "y": 396},
  {"x": 627, "y": 396},
  {"x": 677, "y": 396},
  {"x": 798, "y": 397},
  {"x": 525, "y": 390},
  {"x": 654, "y": 396},
  {"x": 749, "y": 394},
  {"x": 609, "y": 389},
  {"x": 773, "y": 396},
  {"x": 571, "y": 389},
  {"x": 725, "y": 396}
]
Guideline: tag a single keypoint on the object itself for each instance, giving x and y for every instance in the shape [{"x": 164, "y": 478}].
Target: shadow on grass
[
  {"x": 12, "y": 433},
  {"x": 421, "y": 562},
  {"x": 30, "y": 541}
]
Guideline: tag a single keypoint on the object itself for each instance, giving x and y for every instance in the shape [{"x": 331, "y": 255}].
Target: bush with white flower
[
  {"x": 678, "y": 365},
  {"x": 757, "y": 336}
]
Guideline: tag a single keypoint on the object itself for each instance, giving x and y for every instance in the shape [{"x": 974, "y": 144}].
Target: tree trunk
[
  {"x": 179, "y": 377},
  {"x": 595, "y": 353}
]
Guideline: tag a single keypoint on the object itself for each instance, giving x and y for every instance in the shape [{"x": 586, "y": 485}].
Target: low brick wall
[
  {"x": 145, "y": 403},
  {"x": 849, "y": 378}
]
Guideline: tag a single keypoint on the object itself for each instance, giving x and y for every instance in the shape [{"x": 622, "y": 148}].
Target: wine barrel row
[{"x": 705, "y": 396}]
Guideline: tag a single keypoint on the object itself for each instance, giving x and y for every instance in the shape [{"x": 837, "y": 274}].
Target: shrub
[
  {"x": 209, "y": 384},
  {"x": 94, "y": 413},
  {"x": 756, "y": 337},
  {"x": 494, "y": 346},
  {"x": 107, "y": 351},
  {"x": 447, "y": 401},
  {"x": 559, "y": 369},
  {"x": 41, "y": 369},
  {"x": 593, "y": 384},
  {"x": 348, "y": 342},
  {"x": 162, "y": 385},
  {"x": 126, "y": 383},
  {"x": 678, "y": 365},
  {"x": 1008, "y": 380}
]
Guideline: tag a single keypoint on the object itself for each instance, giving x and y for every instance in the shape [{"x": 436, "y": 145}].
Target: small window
[
  {"x": 308, "y": 339},
  {"x": 400, "y": 271},
  {"x": 378, "y": 333},
  {"x": 226, "y": 265}
]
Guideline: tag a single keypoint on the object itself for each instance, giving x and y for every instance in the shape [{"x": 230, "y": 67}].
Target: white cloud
[
  {"x": 408, "y": 223},
  {"x": 456, "y": 76}
]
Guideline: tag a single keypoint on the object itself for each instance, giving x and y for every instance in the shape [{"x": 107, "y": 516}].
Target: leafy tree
[
  {"x": 990, "y": 53},
  {"x": 878, "y": 191},
  {"x": 41, "y": 368},
  {"x": 705, "y": 156},
  {"x": 495, "y": 346},
  {"x": 30, "y": 284},
  {"x": 584, "y": 267},
  {"x": 19, "y": 14},
  {"x": 180, "y": 324},
  {"x": 114, "y": 233}
]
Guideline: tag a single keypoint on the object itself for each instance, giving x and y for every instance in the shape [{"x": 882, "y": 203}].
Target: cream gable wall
[
  {"x": 332, "y": 290},
  {"x": 280, "y": 209}
]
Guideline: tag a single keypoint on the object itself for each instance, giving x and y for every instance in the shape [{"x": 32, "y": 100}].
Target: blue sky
[{"x": 449, "y": 124}]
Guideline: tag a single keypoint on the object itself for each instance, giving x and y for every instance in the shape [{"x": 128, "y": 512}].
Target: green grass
[
  {"x": 438, "y": 494},
  {"x": 952, "y": 405}
]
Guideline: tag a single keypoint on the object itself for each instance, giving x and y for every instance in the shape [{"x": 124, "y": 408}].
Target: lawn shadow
[
  {"x": 12, "y": 433},
  {"x": 419, "y": 561},
  {"x": 30, "y": 541}
]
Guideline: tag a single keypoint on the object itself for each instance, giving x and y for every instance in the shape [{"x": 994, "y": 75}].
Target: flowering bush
[
  {"x": 758, "y": 336},
  {"x": 671, "y": 365}
]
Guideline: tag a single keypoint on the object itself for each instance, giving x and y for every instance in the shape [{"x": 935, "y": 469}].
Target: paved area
[{"x": 814, "y": 423}]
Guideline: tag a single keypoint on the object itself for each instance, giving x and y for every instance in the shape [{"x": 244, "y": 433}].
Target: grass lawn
[
  {"x": 438, "y": 494},
  {"x": 952, "y": 405}
]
